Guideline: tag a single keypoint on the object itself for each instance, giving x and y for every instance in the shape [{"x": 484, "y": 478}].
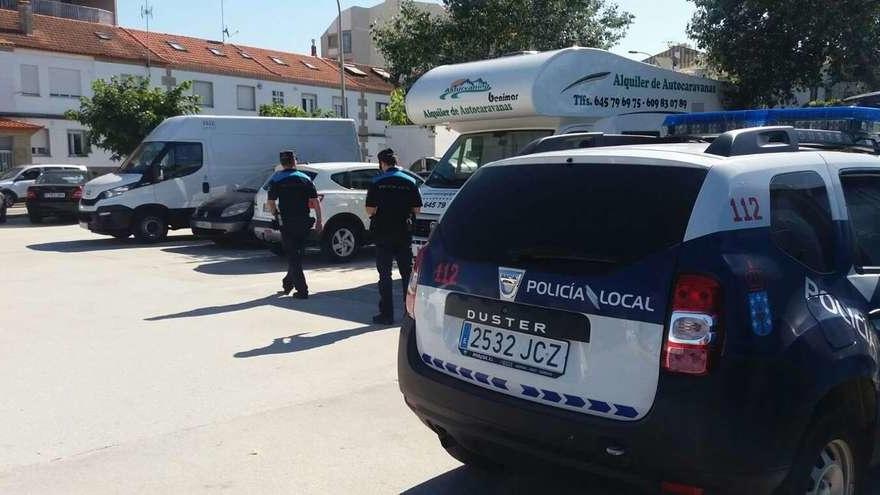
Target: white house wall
[{"x": 48, "y": 111}]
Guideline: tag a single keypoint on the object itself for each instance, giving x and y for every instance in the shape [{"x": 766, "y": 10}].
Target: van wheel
[
  {"x": 150, "y": 227},
  {"x": 341, "y": 241},
  {"x": 9, "y": 198},
  {"x": 832, "y": 460}
]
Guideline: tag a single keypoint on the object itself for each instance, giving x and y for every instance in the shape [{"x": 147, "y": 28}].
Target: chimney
[
  {"x": 26, "y": 17},
  {"x": 314, "y": 48}
]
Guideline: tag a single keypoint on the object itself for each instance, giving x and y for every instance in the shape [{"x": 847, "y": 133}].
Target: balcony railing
[{"x": 65, "y": 10}]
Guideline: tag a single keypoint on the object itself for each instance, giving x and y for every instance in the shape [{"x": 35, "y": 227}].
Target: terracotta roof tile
[
  {"x": 16, "y": 126},
  {"x": 69, "y": 36}
]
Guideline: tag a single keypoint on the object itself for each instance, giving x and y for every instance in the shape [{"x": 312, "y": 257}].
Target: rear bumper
[
  {"x": 107, "y": 219},
  {"x": 519, "y": 433},
  {"x": 50, "y": 207}
]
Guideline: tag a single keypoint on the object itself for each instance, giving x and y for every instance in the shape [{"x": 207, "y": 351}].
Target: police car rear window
[{"x": 571, "y": 216}]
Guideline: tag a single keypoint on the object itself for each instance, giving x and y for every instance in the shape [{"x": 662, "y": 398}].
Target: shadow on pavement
[
  {"x": 106, "y": 244},
  {"x": 355, "y": 304},
  {"x": 467, "y": 481},
  {"x": 304, "y": 342}
]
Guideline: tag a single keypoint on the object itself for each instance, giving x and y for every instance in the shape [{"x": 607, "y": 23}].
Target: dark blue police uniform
[
  {"x": 293, "y": 190},
  {"x": 394, "y": 194}
]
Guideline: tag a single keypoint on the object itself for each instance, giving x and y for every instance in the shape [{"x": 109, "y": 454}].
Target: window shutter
[
  {"x": 64, "y": 82},
  {"x": 246, "y": 98},
  {"x": 30, "y": 80}
]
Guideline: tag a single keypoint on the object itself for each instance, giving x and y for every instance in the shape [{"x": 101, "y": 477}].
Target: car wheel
[
  {"x": 276, "y": 248},
  {"x": 9, "y": 198},
  {"x": 341, "y": 242},
  {"x": 150, "y": 227},
  {"x": 122, "y": 234},
  {"x": 35, "y": 216},
  {"x": 832, "y": 460}
]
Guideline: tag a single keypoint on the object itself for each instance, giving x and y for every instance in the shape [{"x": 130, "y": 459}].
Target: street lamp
[
  {"x": 341, "y": 62},
  {"x": 636, "y": 52}
]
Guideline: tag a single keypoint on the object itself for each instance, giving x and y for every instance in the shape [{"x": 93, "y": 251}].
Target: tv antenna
[
  {"x": 146, "y": 15},
  {"x": 225, "y": 34}
]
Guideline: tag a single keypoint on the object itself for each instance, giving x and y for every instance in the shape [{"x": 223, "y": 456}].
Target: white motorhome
[
  {"x": 186, "y": 160},
  {"x": 500, "y": 105}
]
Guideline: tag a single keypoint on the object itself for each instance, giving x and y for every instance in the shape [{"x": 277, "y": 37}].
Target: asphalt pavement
[{"x": 176, "y": 368}]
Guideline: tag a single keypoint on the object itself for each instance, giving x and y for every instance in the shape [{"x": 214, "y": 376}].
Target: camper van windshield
[{"x": 472, "y": 151}]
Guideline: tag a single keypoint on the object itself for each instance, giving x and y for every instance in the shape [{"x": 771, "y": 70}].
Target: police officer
[
  {"x": 291, "y": 195},
  {"x": 392, "y": 199}
]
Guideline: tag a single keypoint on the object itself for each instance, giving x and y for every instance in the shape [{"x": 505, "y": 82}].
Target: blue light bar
[{"x": 858, "y": 122}]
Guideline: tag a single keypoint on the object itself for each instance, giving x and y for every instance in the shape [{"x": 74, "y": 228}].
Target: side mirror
[{"x": 156, "y": 174}]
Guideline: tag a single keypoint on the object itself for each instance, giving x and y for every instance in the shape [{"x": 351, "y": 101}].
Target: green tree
[
  {"x": 770, "y": 49},
  {"x": 414, "y": 41},
  {"x": 125, "y": 109},
  {"x": 395, "y": 114},
  {"x": 278, "y": 110}
]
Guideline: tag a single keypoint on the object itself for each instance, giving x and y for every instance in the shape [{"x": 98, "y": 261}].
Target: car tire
[
  {"x": 10, "y": 198},
  {"x": 276, "y": 248},
  {"x": 341, "y": 241},
  {"x": 468, "y": 457},
  {"x": 121, "y": 235},
  {"x": 150, "y": 227},
  {"x": 832, "y": 453}
]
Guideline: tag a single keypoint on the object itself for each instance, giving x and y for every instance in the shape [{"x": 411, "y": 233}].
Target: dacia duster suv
[{"x": 694, "y": 318}]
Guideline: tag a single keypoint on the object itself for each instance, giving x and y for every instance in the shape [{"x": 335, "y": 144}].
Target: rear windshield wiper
[{"x": 553, "y": 254}]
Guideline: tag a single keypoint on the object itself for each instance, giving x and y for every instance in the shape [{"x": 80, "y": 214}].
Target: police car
[{"x": 696, "y": 318}]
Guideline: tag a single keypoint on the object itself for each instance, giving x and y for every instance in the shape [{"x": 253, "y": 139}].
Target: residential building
[
  {"x": 356, "y": 41},
  {"x": 98, "y": 11},
  {"x": 47, "y": 63}
]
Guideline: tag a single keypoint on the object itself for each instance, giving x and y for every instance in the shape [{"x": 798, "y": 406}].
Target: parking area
[{"x": 175, "y": 368}]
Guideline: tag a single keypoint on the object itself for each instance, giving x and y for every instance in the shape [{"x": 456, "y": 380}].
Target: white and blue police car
[{"x": 694, "y": 318}]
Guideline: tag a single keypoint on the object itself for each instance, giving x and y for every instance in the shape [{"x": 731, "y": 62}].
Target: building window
[
  {"x": 30, "y": 80},
  {"x": 278, "y": 61},
  {"x": 65, "y": 83},
  {"x": 246, "y": 98},
  {"x": 40, "y": 143},
  {"x": 309, "y": 102},
  {"x": 78, "y": 143},
  {"x": 205, "y": 91},
  {"x": 310, "y": 66},
  {"x": 333, "y": 41},
  {"x": 346, "y": 42},
  {"x": 176, "y": 46},
  {"x": 800, "y": 219},
  {"x": 337, "y": 106},
  {"x": 217, "y": 52},
  {"x": 354, "y": 70},
  {"x": 381, "y": 110},
  {"x": 277, "y": 97}
]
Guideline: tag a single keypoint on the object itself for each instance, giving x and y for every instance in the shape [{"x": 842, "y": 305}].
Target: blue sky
[{"x": 289, "y": 25}]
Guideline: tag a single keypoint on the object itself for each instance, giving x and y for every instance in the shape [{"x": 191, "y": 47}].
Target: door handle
[{"x": 206, "y": 188}]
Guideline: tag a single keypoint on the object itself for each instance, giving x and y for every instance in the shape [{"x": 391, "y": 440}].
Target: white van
[
  {"x": 186, "y": 160},
  {"x": 500, "y": 105}
]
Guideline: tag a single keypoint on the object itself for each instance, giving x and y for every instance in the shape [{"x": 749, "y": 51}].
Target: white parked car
[
  {"x": 342, "y": 191},
  {"x": 15, "y": 181}
]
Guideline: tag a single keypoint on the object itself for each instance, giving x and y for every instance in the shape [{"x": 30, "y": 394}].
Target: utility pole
[{"x": 341, "y": 62}]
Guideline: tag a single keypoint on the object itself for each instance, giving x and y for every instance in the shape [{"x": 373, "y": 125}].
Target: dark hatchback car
[
  {"x": 56, "y": 193},
  {"x": 226, "y": 218}
]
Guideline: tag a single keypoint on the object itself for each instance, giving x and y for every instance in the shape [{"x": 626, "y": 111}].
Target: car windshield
[
  {"x": 570, "y": 216},
  {"x": 472, "y": 151},
  {"x": 253, "y": 183},
  {"x": 12, "y": 172},
  {"x": 143, "y": 157},
  {"x": 71, "y": 178}
]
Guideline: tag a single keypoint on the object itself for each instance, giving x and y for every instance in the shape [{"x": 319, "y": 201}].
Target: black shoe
[
  {"x": 383, "y": 320},
  {"x": 300, "y": 295}
]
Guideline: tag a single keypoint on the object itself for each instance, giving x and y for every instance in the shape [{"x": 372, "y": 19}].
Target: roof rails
[
  {"x": 781, "y": 139},
  {"x": 577, "y": 140}
]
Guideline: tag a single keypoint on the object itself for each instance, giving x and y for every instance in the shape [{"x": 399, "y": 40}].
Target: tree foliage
[
  {"x": 395, "y": 114},
  {"x": 772, "y": 48},
  {"x": 279, "y": 110},
  {"x": 414, "y": 41},
  {"x": 125, "y": 109}
]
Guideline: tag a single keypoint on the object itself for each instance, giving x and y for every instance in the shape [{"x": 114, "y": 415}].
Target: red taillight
[
  {"x": 414, "y": 283},
  {"x": 693, "y": 327},
  {"x": 667, "y": 488},
  {"x": 77, "y": 193},
  {"x": 31, "y": 194}
]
